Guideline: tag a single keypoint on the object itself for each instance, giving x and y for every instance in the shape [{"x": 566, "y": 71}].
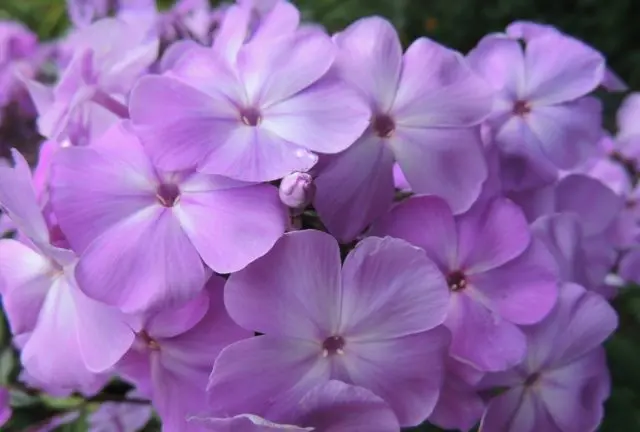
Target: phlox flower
[
  {"x": 499, "y": 277},
  {"x": 18, "y": 52},
  {"x": 421, "y": 107},
  {"x": 329, "y": 407},
  {"x": 171, "y": 358},
  {"x": 255, "y": 112},
  {"x": 101, "y": 71},
  {"x": 541, "y": 92},
  {"x": 151, "y": 230},
  {"x": 67, "y": 337},
  {"x": 120, "y": 417},
  {"x": 373, "y": 323},
  {"x": 628, "y": 137},
  {"x": 563, "y": 382}
]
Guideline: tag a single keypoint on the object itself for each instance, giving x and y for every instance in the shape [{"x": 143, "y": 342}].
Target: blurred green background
[{"x": 610, "y": 26}]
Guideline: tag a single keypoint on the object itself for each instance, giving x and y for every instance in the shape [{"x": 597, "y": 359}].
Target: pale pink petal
[
  {"x": 426, "y": 222},
  {"x": 283, "y": 18},
  {"x": 406, "y": 372},
  {"x": 490, "y": 235},
  {"x": 370, "y": 60},
  {"x": 387, "y": 277},
  {"x": 561, "y": 68},
  {"x": 437, "y": 89},
  {"x": 327, "y": 117},
  {"x": 279, "y": 371},
  {"x": 232, "y": 32},
  {"x": 294, "y": 290},
  {"x": 149, "y": 259},
  {"x": 355, "y": 187},
  {"x": 219, "y": 219},
  {"x": 444, "y": 162}
]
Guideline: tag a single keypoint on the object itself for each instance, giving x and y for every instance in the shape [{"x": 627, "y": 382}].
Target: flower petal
[
  {"x": 279, "y": 371},
  {"x": 294, "y": 290},
  {"x": 217, "y": 220},
  {"x": 406, "y": 372},
  {"x": 490, "y": 235},
  {"x": 512, "y": 411},
  {"x": 26, "y": 278},
  {"x": 522, "y": 291},
  {"x": 326, "y": 117},
  {"x": 95, "y": 188},
  {"x": 567, "y": 134},
  {"x": 179, "y": 124},
  {"x": 355, "y": 187},
  {"x": 438, "y": 89},
  {"x": 426, "y": 222},
  {"x": 481, "y": 338},
  {"x": 158, "y": 266},
  {"x": 561, "y": 68},
  {"x": 445, "y": 162},
  {"x": 390, "y": 289},
  {"x": 370, "y": 60}
]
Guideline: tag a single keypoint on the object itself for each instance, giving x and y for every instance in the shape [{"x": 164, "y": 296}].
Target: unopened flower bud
[{"x": 297, "y": 190}]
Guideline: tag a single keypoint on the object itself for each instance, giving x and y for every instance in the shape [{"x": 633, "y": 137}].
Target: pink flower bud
[{"x": 297, "y": 190}]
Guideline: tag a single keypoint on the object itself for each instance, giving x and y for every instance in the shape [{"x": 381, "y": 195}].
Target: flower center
[
  {"x": 333, "y": 345},
  {"x": 150, "y": 342},
  {"x": 383, "y": 125},
  {"x": 521, "y": 108},
  {"x": 532, "y": 379},
  {"x": 457, "y": 281},
  {"x": 168, "y": 194},
  {"x": 250, "y": 116}
]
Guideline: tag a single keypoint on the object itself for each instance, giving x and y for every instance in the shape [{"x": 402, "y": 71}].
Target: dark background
[{"x": 612, "y": 26}]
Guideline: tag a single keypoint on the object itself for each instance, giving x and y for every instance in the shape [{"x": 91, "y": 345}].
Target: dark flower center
[
  {"x": 532, "y": 379},
  {"x": 168, "y": 194},
  {"x": 521, "y": 108},
  {"x": 333, "y": 345},
  {"x": 151, "y": 343},
  {"x": 457, "y": 281},
  {"x": 250, "y": 116},
  {"x": 383, "y": 125}
]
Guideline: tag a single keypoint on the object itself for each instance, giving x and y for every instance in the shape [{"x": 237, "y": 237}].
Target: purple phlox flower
[
  {"x": 110, "y": 195},
  {"x": 332, "y": 406},
  {"x": 421, "y": 106},
  {"x": 70, "y": 336},
  {"x": 459, "y": 406},
  {"x": 498, "y": 276},
  {"x": 628, "y": 138},
  {"x": 587, "y": 242},
  {"x": 101, "y": 71},
  {"x": 541, "y": 101},
  {"x": 119, "y": 417},
  {"x": 5, "y": 407},
  {"x": 188, "y": 20},
  {"x": 18, "y": 50},
  {"x": 528, "y": 30},
  {"x": 255, "y": 119},
  {"x": 174, "y": 349},
  {"x": 374, "y": 323},
  {"x": 563, "y": 382}
]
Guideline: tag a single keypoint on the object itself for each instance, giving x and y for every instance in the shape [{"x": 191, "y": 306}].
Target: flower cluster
[{"x": 261, "y": 226}]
